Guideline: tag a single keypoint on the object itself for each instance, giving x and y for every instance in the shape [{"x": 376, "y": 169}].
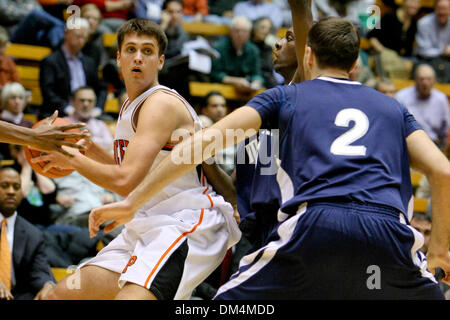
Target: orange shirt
[
  {"x": 192, "y": 7},
  {"x": 8, "y": 71}
]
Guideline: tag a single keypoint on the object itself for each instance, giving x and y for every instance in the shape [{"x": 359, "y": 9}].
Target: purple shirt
[
  {"x": 431, "y": 113},
  {"x": 77, "y": 75}
]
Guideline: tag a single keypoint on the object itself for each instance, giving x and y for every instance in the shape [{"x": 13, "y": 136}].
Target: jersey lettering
[{"x": 120, "y": 146}]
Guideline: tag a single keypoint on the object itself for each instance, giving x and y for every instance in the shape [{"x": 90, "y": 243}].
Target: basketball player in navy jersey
[
  {"x": 258, "y": 194},
  {"x": 346, "y": 151}
]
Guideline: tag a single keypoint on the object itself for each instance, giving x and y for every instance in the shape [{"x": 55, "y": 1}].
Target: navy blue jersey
[
  {"x": 258, "y": 194},
  {"x": 339, "y": 138}
]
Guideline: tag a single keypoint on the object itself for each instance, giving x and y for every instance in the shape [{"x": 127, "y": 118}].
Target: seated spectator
[
  {"x": 195, "y": 10},
  {"x": 114, "y": 12},
  {"x": 386, "y": 86},
  {"x": 67, "y": 69},
  {"x": 76, "y": 197},
  {"x": 39, "y": 28},
  {"x": 171, "y": 23},
  {"x": 428, "y": 105},
  {"x": 285, "y": 12},
  {"x": 349, "y": 9},
  {"x": 13, "y": 101},
  {"x": 262, "y": 27},
  {"x": 12, "y": 12},
  {"x": 38, "y": 191},
  {"x": 150, "y": 9},
  {"x": 213, "y": 109},
  {"x": 55, "y": 7},
  {"x": 26, "y": 272},
  {"x": 8, "y": 71},
  {"x": 398, "y": 29},
  {"x": 83, "y": 103},
  {"x": 94, "y": 46},
  {"x": 433, "y": 40},
  {"x": 220, "y": 11},
  {"x": 363, "y": 74},
  {"x": 422, "y": 223},
  {"x": 254, "y": 9},
  {"x": 239, "y": 63}
]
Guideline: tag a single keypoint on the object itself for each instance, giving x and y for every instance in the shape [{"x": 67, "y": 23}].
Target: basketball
[{"x": 38, "y": 167}]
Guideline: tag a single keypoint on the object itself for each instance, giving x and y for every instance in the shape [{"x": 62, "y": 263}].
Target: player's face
[
  {"x": 10, "y": 192},
  {"x": 139, "y": 60},
  {"x": 216, "y": 108},
  {"x": 284, "y": 53}
]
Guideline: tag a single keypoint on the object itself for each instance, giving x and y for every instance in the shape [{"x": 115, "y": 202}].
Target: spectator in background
[
  {"x": 8, "y": 71},
  {"x": 12, "y": 12},
  {"x": 213, "y": 109},
  {"x": 94, "y": 46},
  {"x": 429, "y": 106},
  {"x": 239, "y": 63},
  {"x": 422, "y": 223},
  {"x": 433, "y": 40},
  {"x": 27, "y": 274},
  {"x": 67, "y": 69},
  {"x": 114, "y": 12},
  {"x": 13, "y": 101},
  {"x": 386, "y": 86},
  {"x": 55, "y": 7},
  {"x": 38, "y": 191},
  {"x": 76, "y": 195},
  {"x": 262, "y": 27},
  {"x": 171, "y": 23},
  {"x": 150, "y": 9},
  {"x": 195, "y": 10},
  {"x": 220, "y": 11},
  {"x": 349, "y": 9},
  {"x": 285, "y": 12},
  {"x": 363, "y": 74},
  {"x": 83, "y": 103},
  {"x": 39, "y": 28},
  {"x": 254, "y": 9},
  {"x": 398, "y": 29}
]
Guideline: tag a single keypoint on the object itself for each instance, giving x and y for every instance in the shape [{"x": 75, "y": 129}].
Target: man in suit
[
  {"x": 67, "y": 69},
  {"x": 25, "y": 272}
]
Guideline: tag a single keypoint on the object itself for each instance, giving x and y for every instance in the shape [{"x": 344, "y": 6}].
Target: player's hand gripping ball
[{"x": 38, "y": 166}]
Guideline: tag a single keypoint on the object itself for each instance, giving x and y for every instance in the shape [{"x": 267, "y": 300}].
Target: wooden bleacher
[
  {"x": 27, "y": 52},
  {"x": 201, "y": 89}
]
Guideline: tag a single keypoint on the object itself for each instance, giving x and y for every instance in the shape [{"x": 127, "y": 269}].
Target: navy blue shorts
[{"x": 336, "y": 251}]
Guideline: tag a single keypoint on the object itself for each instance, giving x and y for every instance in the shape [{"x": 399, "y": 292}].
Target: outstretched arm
[
  {"x": 427, "y": 158},
  {"x": 45, "y": 137},
  {"x": 302, "y": 21},
  {"x": 192, "y": 152}
]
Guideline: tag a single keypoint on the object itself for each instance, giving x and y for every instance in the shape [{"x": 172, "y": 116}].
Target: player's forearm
[
  {"x": 222, "y": 183},
  {"x": 440, "y": 202},
  {"x": 11, "y": 133},
  {"x": 193, "y": 151},
  {"x": 112, "y": 177},
  {"x": 97, "y": 153},
  {"x": 302, "y": 21}
]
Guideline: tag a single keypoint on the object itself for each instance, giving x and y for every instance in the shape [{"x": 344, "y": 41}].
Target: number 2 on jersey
[{"x": 341, "y": 145}]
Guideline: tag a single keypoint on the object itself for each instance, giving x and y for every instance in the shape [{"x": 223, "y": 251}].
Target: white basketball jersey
[{"x": 190, "y": 191}]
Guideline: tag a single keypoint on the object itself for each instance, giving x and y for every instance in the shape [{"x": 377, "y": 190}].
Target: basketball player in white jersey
[{"x": 178, "y": 238}]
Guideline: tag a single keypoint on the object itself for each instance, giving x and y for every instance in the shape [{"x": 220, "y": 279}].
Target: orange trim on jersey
[
  {"x": 124, "y": 107},
  {"x": 172, "y": 245},
  {"x": 207, "y": 188}
]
